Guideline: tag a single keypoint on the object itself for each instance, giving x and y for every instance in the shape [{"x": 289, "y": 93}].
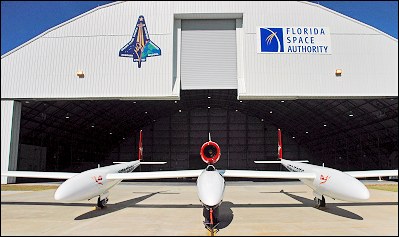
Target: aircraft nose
[
  {"x": 65, "y": 193},
  {"x": 60, "y": 194},
  {"x": 363, "y": 193}
]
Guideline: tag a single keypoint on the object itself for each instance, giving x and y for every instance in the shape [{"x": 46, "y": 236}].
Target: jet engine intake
[{"x": 210, "y": 152}]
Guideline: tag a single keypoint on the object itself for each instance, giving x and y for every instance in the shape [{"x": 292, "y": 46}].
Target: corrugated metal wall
[
  {"x": 46, "y": 67},
  {"x": 208, "y": 54}
]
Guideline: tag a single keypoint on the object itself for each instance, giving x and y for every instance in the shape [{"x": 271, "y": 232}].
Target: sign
[{"x": 297, "y": 39}]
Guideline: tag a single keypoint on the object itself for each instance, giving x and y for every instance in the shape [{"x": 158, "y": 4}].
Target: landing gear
[
  {"x": 320, "y": 202},
  {"x": 211, "y": 219},
  {"x": 102, "y": 203}
]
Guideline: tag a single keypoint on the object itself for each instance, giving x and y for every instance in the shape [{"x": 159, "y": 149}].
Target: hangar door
[{"x": 208, "y": 54}]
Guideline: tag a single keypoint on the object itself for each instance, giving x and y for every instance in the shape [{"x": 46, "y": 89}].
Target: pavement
[{"x": 173, "y": 208}]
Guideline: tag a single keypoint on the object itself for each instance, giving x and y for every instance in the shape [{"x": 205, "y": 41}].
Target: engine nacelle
[{"x": 210, "y": 152}]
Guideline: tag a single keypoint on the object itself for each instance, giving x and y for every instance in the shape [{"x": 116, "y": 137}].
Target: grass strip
[{"x": 19, "y": 187}]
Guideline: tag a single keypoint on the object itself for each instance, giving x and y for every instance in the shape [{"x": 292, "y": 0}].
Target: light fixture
[
  {"x": 262, "y": 120},
  {"x": 175, "y": 101},
  {"x": 282, "y": 101},
  {"x": 325, "y": 125},
  {"x": 293, "y": 137},
  {"x": 350, "y": 114},
  {"x": 306, "y": 132},
  {"x": 209, "y": 97},
  {"x": 236, "y": 110},
  {"x": 179, "y": 110},
  {"x": 92, "y": 126},
  {"x": 123, "y": 138},
  {"x": 209, "y": 107},
  {"x": 240, "y": 101},
  {"x": 67, "y": 116},
  {"x": 146, "y": 112},
  {"x": 80, "y": 74},
  {"x": 338, "y": 72},
  {"x": 110, "y": 133},
  {"x": 271, "y": 112},
  {"x": 26, "y": 102}
]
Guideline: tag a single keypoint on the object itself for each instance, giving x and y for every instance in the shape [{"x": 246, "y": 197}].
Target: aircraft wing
[
  {"x": 266, "y": 174},
  {"x": 156, "y": 174},
  {"x": 36, "y": 174},
  {"x": 372, "y": 173}
]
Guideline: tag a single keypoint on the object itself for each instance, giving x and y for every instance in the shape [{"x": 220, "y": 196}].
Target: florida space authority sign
[{"x": 296, "y": 39}]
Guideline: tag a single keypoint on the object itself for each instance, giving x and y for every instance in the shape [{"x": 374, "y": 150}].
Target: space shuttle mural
[{"x": 140, "y": 46}]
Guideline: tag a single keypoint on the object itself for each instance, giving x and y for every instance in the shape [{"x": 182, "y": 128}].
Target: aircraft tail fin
[
  {"x": 280, "y": 154},
  {"x": 140, "y": 156},
  {"x": 280, "y": 145},
  {"x": 141, "y": 153}
]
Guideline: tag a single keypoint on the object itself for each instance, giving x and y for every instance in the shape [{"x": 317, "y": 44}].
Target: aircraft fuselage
[
  {"x": 210, "y": 187},
  {"x": 92, "y": 183},
  {"x": 330, "y": 182}
]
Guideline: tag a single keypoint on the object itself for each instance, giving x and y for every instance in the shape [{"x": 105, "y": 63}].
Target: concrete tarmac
[{"x": 173, "y": 208}]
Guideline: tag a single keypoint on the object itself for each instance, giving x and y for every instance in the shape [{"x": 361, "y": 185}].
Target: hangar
[{"x": 77, "y": 95}]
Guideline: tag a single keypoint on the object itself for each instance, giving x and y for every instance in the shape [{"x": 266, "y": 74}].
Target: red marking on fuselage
[
  {"x": 323, "y": 179},
  {"x": 98, "y": 180}
]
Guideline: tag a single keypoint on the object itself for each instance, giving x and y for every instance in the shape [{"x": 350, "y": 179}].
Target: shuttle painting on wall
[
  {"x": 140, "y": 46},
  {"x": 302, "y": 39}
]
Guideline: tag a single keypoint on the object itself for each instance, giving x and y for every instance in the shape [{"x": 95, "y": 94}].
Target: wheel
[
  {"x": 318, "y": 202},
  {"x": 323, "y": 202},
  {"x": 102, "y": 203},
  {"x": 205, "y": 213}
]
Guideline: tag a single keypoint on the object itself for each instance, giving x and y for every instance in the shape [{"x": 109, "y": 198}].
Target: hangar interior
[{"x": 76, "y": 135}]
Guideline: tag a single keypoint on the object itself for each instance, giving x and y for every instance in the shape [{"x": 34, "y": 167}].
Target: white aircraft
[
  {"x": 210, "y": 181},
  {"x": 88, "y": 184},
  {"x": 331, "y": 182}
]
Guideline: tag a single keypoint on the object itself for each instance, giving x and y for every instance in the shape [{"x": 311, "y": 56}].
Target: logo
[
  {"x": 140, "y": 46},
  {"x": 271, "y": 40},
  {"x": 323, "y": 179},
  {"x": 98, "y": 180},
  {"x": 294, "y": 40}
]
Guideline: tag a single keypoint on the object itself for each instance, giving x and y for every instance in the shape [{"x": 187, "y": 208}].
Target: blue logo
[
  {"x": 140, "y": 46},
  {"x": 271, "y": 40}
]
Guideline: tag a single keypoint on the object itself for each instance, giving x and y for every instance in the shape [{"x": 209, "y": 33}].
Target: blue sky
[{"x": 24, "y": 20}]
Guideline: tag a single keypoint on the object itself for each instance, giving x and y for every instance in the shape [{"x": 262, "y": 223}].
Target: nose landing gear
[{"x": 211, "y": 221}]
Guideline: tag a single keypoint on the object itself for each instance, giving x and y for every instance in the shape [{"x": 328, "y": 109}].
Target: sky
[{"x": 23, "y": 20}]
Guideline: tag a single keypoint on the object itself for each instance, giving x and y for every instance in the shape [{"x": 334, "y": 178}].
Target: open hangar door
[{"x": 76, "y": 135}]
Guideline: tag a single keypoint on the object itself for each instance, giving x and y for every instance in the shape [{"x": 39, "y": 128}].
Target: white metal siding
[
  {"x": 46, "y": 66},
  {"x": 208, "y": 54}
]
